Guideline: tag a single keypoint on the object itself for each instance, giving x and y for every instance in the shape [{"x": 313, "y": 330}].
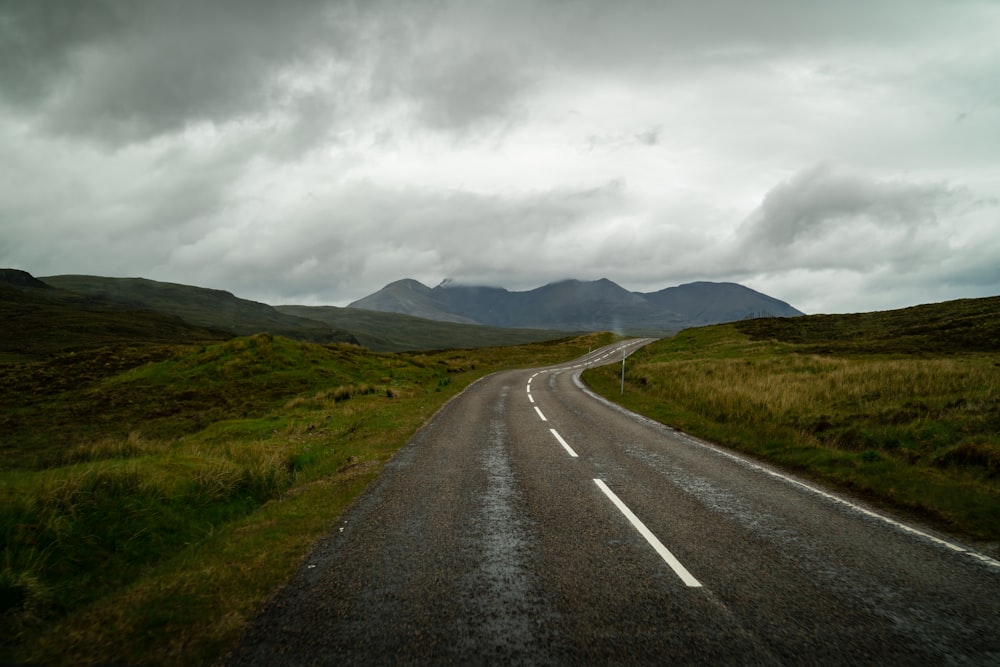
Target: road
[{"x": 530, "y": 522}]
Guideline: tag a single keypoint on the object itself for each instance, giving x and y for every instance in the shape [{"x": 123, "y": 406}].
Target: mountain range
[
  {"x": 574, "y": 305},
  {"x": 66, "y": 311}
]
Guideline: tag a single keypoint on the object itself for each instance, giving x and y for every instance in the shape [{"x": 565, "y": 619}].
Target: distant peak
[
  {"x": 20, "y": 278},
  {"x": 447, "y": 282},
  {"x": 409, "y": 283}
]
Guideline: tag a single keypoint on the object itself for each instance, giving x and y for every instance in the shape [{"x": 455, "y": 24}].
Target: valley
[{"x": 160, "y": 477}]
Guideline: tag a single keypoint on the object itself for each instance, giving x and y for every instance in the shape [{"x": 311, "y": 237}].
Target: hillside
[
  {"x": 198, "y": 306},
  {"x": 40, "y": 320},
  {"x": 599, "y": 305},
  {"x": 713, "y": 303},
  {"x": 952, "y": 327},
  {"x": 410, "y": 297}
]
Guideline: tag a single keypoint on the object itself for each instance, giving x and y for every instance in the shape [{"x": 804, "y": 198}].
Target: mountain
[
  {"x": 574, "y": 305},
  {"x": 201, "y": 307},
  {"x": 713, "y": 303},
  {"x": 410, "y": 297}
]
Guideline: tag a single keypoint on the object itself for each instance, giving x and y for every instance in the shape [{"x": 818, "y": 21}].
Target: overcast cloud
[{"x": 841, "y": 156}]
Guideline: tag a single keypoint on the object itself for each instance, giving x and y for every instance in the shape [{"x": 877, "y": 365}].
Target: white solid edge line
[
  {"x": 540, "y": 414},
  {"x": 665, "y": 554},
  {"x": 843, "y": 502},
  {"x": 563, "y": 443}
]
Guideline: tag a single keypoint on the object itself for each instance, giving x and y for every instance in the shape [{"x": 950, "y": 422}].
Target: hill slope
[
  {"x": 201, "y": 307},
  {"x": 40, "y": 320},
  {"x": 952, "y": 327},
  {"x": 579, "y": 305}
]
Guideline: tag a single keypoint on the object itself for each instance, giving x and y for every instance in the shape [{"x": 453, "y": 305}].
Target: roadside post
[{"x": 623, "y": 372}]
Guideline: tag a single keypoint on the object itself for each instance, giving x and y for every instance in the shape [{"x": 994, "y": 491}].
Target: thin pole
[{"x": 623, "y": 371}]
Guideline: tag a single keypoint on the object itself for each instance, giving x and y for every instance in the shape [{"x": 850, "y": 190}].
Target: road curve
[{"x": 530, "y": 522}]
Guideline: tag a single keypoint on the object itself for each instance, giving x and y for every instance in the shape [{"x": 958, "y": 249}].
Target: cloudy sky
[{"x": 841, "y": 156}]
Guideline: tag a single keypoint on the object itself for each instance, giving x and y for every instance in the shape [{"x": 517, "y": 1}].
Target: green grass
[
  {"x": 901, "y": 407},
  {"x": 152, "y": 496}
]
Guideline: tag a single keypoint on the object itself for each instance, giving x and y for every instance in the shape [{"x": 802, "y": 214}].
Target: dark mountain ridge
[
  {"x": 713, "y": 303},
  {"x": 575, "y": 305}
]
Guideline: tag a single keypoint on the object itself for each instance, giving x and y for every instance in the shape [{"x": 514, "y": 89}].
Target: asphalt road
[{"x": 530, "y": 522}]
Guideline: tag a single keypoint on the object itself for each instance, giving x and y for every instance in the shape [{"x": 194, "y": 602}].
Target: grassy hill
[
  {"x": 954, "y": 327},
  {"x": 200, "y": 307},
  {"x": 39, "y": 321},
  {"x": 902, "y": 407}
]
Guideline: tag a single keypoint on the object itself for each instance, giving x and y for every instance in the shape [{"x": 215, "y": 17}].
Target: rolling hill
[{"x": 201, "y": 307}]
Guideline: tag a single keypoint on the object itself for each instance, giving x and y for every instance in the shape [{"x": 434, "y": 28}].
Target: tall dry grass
[
  {"x": 920, "y": 431},
  {"x": 796, "y": 386}
]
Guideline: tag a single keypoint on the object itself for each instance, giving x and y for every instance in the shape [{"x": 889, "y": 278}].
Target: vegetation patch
[
  {"x": 902, "y": 407},
  {"x": 153, "y": 495}
]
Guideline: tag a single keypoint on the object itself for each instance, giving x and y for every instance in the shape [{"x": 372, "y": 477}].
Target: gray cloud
[
  {"x": 887, "y": 237},
  {"x": 823, "y": 200},
  {"x": 39, "y": 40},
  {"x": 317, "y": 149},
  {"x": 124, "y": 71},
  {"x": 455, "y": 91}
]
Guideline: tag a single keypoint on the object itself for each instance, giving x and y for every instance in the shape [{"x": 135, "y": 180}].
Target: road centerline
[
  {"x": 654, "y": 542},
  {"x": 564, "y": 443},
  {"x": 540, "y": 414}
]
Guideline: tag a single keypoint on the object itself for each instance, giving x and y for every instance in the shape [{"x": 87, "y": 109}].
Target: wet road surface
[{"x": 530, "y": 522}]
